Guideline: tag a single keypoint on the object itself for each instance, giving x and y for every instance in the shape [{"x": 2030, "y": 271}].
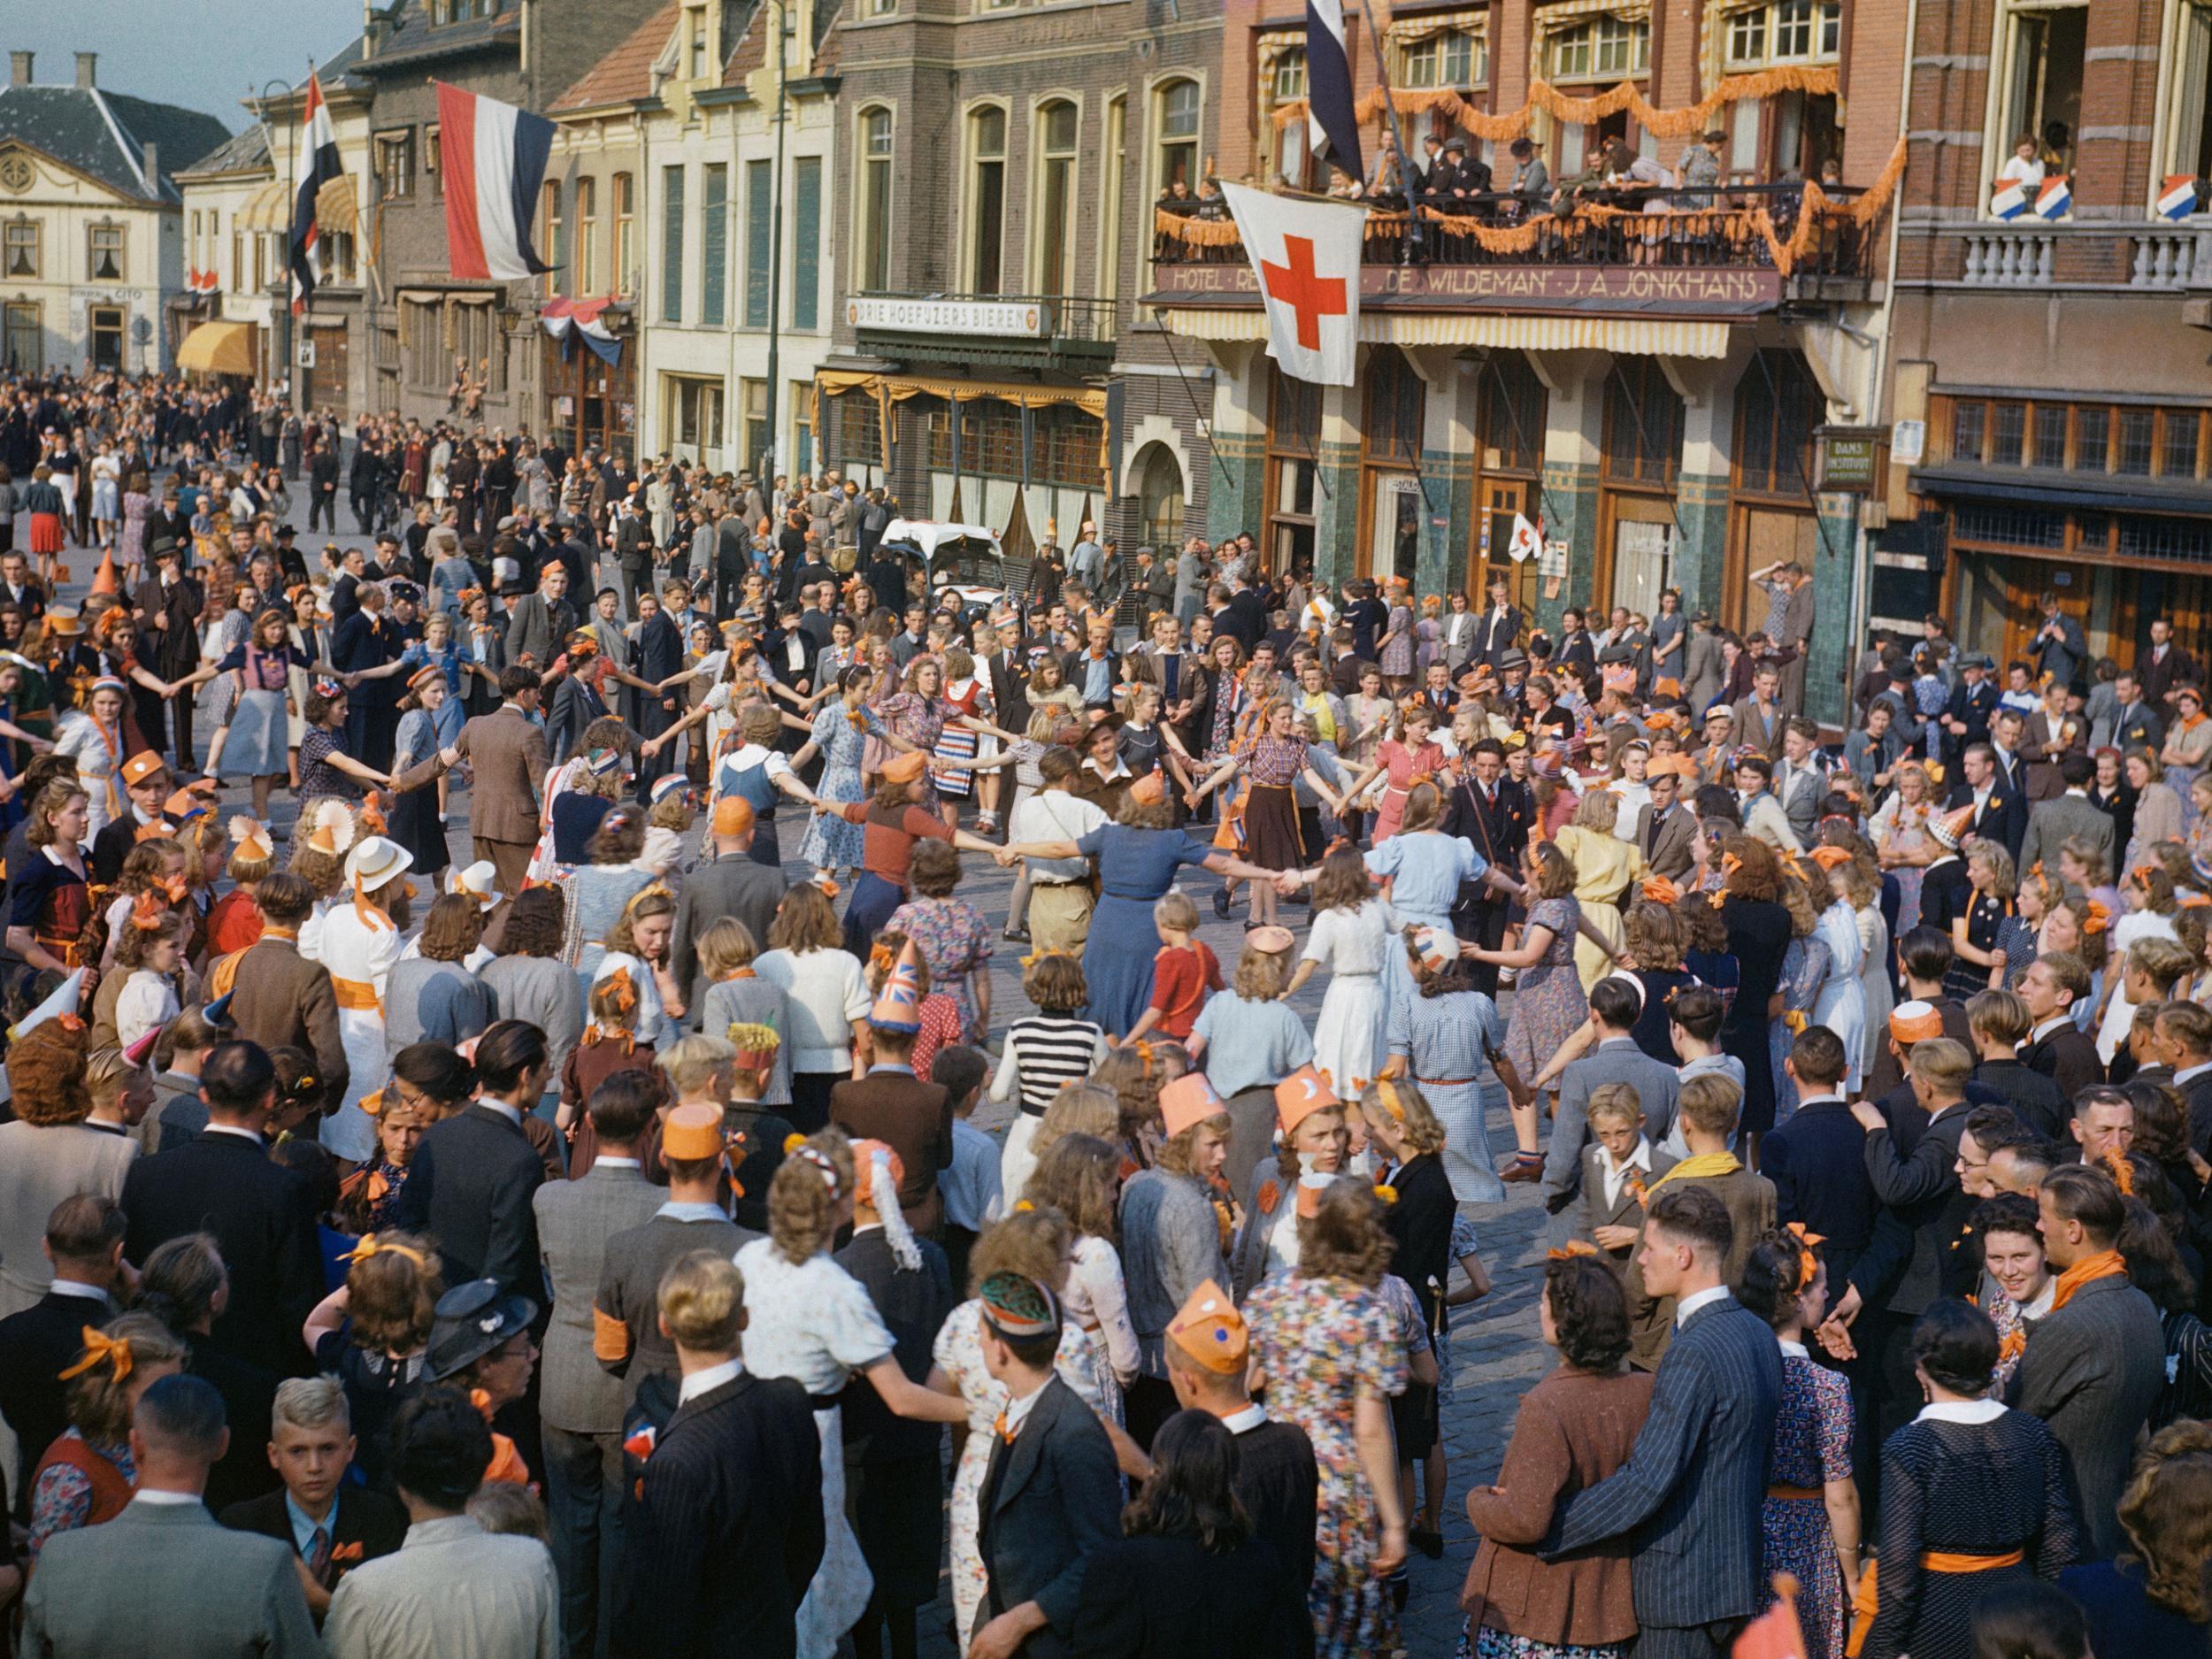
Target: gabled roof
[
  {"x": 751, "y": 52},
  {"x": 625, "y": 74},
  {"x": 103, "y": 134},
  {"x": 414, "y": 39},
  {"x": 249, "y": 152}
]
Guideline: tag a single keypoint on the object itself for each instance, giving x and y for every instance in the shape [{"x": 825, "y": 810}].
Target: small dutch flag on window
[
  {"x": 2055, "y": 199},
  {"x": 2178, "y": 199},
  {"x": 2011, "y": 199}
]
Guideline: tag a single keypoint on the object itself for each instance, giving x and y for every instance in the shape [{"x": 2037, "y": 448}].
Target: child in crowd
[
  {"x": 371, "y": 1334},
  {"x": 973, "y": 1196},
  {"x": 1043, "y": 1050},
  {"x": 1249, "y": 1040},
  {"x": 1185, "y": 972},
  {"x": 235, "y": 920},
  {"x": 609, "y": 1045},
  {"x": 737, "y": 996},
  {"x": 1708, "y": 1114},
  {"x": 1618, "y": 1167},
  {"x": 941, "y": 1015},
  {"x": 731, "y": 1071}
]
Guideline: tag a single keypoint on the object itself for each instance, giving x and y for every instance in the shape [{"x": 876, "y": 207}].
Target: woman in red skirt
[
  {"x": 1275, "y": 761},
  {"x": 44, "y": 501}
]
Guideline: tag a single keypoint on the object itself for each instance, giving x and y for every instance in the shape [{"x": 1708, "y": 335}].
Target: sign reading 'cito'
[{"x": 1006, "y": 320}]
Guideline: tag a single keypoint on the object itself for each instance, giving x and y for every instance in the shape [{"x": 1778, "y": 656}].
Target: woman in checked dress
[{"x": 1448, "y": 1037}]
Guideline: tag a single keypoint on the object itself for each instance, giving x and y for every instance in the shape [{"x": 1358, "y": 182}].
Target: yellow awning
[
  {"x": 1631, "y": 336},
  {"x": 269, "y": 208},
  {"x": 335, "y": 205},
  {"x": 218, "y": 348}
]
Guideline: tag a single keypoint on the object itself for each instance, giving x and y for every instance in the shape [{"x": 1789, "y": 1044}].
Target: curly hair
[
  {"x": 1136, "y": 1081},
  {"x": 52, "y": 799},
  {"x": 1032, "y": 1242},
  {"x": 935, "y": 869},
  {"x": 1589, "y": 1311},
  {"x": 1754, "y": 873},
  {"x": 804, "y": 921},
  {"x": 1080, "y": 1177},
  {"x": 1055, "y": 982},
  {"x": 1415, "y": 1119},
  {"x": 99, "y": 1403},
  {"x": 536, "y": 917},
  {"x": 803, "y": 1208},
  {"x": 619, "y": 840},
  {"x": 1554, "y": 873},
  {"x": 45, "y": 1069},
  {"x": 1345, "y": 1239},
  {"x": 1774, "y": 1277},
  {"x": 1657, "y": 938},
  {"x": 133, "y": 944},
  {"x": 391, "y": 1298},
  {"x": 453, "y": 929},
  {"x": 1343, "y": 883},
  {"x": 2167, "y": 1515}
]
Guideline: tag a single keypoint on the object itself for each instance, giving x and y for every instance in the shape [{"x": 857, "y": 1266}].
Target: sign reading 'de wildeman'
[
  {"x": 1001, "y": 319},
  {"x": 1597, "y": 290}
]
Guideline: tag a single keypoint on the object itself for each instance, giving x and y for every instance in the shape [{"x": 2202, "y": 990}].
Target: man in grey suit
[
  {"x": 1615, "y": 1003},
  {"x": 1665, "y": 827},
  {"x": 162, "y": 1577},
  {"x": 2067, "y": 816},
  {"x": 1692, "y": 1488},
  {"x": 541, "y": 620},
  {"x": 580, "y": 1404},
  {"x": 2096, "y": 1363},
  {"x": 1800, "y": 781},
  {"x": 730, "y": 884}
]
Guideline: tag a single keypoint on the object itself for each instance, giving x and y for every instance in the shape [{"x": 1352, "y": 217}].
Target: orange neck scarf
[{"x": 2103, "y": 1264}]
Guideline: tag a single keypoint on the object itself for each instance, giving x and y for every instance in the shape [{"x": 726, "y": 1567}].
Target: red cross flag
[{"x": 1306, "y": 255}]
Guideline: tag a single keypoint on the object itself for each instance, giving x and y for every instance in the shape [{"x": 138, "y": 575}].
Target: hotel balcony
[
  {"x": 1755, "y": 250},
  {"x": 2155, "y": 255}
]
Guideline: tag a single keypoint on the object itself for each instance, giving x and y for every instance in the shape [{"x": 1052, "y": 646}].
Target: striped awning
[
  {"x": 334, "y": 209},
  {"x": 268, "y": 208},
  {"x": 1633, "y": 336}
]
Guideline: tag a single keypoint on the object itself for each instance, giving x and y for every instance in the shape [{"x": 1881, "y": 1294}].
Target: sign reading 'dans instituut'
[
  {"x": 1001, "y": 319},
  {"x": 1625, "y": 290}
]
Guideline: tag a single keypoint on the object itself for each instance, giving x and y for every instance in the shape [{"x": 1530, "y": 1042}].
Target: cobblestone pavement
[{"x": 1493, "y": 1354}]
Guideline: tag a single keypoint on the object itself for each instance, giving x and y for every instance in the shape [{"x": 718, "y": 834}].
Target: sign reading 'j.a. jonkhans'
[{"x": 1596, "y": 289}]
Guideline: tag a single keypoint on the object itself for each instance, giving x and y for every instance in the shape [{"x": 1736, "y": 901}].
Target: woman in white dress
[
  {"x": 1861, "y": 882},
  {"x": 94, "y": 739},
  {"x": 1840, "y": 1001},
  {"x": 1351, "y": 937},
  {"x": 1034, "y": 1243},
  {"x": 2147, "y": 893},
  {"x": 808, "y": 1319},
  {"x": 360, "y": 943},
  {"x": 1079, "y": 1175}
]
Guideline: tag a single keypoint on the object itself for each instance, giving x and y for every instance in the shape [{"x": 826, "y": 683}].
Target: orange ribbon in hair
[
  {"x": 1386, "y": 1092},
  {"x": 101, "y": 1349},
  {"x": 2123, "y": 1171},
  {"x": 1660, "y": 890},
  {"x": 367, "y": 1180},
  {"x": 371, "y": 1245},
  {"x": 175, "y": 889},
  {"x": 2095, "y": 917},
  {"x": 1730, "y": 863},
  {"x": 625, "y": 992},
  {"x": 1830, "y": 857},
  {"x": 148, "y": 912},
  {"x": 1808, "y": 1263},
  {"x": 1144, "y": 1056},
  {"x": 881, "y": 956},
  {"x": 2144, "y": 872},
  {"x": 1570, "y": 1249}
]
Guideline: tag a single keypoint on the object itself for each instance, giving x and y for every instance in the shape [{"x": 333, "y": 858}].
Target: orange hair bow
[
  {"x": 2095, "y": 917},
  {"x": 371, "y": 1245},
  {"x": 101, "y": 1349},
  {"x": 1144, "y": 1056},
  {"x": 175, "y": 889},
  {"x": 1831, "y": 857},
  {"x": 1570, "y": 1249},
  {"x": 147, "y": 913},
  {"x": 882, "y": 956},
  {"x": 2123, "y": 1171},
  {"x": 1730, "y": 863},
  {"x": 371, "y": 817},
  {"x": 1808, "y": 1263},
  {"x": 625, "y": 992},
  {"x": 1661, "y": 890},
  {"x": 1386, "y": 1092},
  {"x": 2144, "y": 872}
]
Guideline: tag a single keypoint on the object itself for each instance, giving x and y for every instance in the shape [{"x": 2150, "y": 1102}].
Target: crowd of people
[{"x": 588, "y": 1250}]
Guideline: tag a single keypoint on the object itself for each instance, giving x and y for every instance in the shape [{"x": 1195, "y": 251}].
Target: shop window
[
  {"x": 2008, "y": 428},
  {"x": 2050, "y": 435},
  {"x": 859, "y": 430},
  {"x": 1395, "y": 395},
  {"x": 1643, "y": 423}
]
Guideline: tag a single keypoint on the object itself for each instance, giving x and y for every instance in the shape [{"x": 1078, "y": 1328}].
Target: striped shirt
[{"x": 1044, "y": 1051}]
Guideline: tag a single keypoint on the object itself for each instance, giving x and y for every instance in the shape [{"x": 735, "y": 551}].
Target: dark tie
[{"x": 319, "y": 1554}]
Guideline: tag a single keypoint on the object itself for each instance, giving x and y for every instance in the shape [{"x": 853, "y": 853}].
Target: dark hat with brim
[{"x": 472, "y": 1319}]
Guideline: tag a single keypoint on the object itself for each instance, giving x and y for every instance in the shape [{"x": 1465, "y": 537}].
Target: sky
[{"x": 203, "y": 54}]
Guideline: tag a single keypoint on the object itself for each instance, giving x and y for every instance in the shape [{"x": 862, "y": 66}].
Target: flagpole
[{"x": 1413, "y": 245}]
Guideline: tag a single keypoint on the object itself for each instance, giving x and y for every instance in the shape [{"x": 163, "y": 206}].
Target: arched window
[
  {"x": 1160, "y": 497},
  {"x": 1056, "y": 124},
  {"x": 986, "y": 193},
  {"x": 875, "y": 199},
  {"x": 1175, "y": 113}
]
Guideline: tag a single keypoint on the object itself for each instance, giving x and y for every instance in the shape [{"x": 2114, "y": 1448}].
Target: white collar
[
  {"x": 1018, "y": 1410},
  {"x": 2049, "y": 1025},
  {"x": 166, "y": 1500},
  {"x": 706, "y": 1381},
  {"x": 232, "y": 1129},
  {"x": 680, "y": 1209},
  {"x": 1960, "y": 1411},
  {"x": 1792, "y": 1350},
  {"x": 1245, "y": 1421},
  {"x": 605, "y": 1161},
  {"x": 1696, "y": 1300},
  {"x": 76, "y": 1287},
  {"x": 2044, "y": 1298},
  {"x": 2195, "y": 1071},
  {"x": 1640, "y": 1158}
]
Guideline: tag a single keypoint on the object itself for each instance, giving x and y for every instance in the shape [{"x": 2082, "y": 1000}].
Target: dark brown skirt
[{"x": 1270, "y": 828}]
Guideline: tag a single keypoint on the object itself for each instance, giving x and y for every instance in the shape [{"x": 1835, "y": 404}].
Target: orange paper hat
[
  {"x": 1301, "y": 1095},
  {"x": 907, "y": 767},
  {"x": 104, "y": 580},
  {"x": 732, "y": 816},
  {"x": 1915, "y": 1022},
  {"x": 1149, "y": 789},
  {"x": 1188, "y": 1099},
  {"x": 1210, "y": 1329},
  {"x": 1952, "y": 828},
  {"x": 692, "y": 1132},
  {"x": 899, "y": 1004}
]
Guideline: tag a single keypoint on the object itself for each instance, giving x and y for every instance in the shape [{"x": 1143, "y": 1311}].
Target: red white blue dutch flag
[
  {"x": 2052, "y": 200},
  {"x": 2178, "y": 199},
  {"x": 320, "y": 164},
  {"x": 494, "y": 157},
  {"x": 2010, "y": 202},
  {"x": 1333, "y": 124}
]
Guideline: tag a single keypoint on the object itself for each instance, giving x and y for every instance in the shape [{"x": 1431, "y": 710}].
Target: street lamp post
[{"x": 283, "y": 304}]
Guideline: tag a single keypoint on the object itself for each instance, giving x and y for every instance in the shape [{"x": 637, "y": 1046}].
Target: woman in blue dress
[
  {"x": 1138, "y": 855},
  {"x": 1804, "y": 970},
  {"x": 831, "y": 844},
  {"x": 1447, "y": 1033}
]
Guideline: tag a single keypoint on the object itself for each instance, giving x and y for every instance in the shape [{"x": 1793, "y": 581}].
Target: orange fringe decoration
[{"x": 1817, "y": 79}]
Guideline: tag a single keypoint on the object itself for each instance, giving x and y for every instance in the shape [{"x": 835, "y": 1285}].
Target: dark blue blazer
[
  {"x": 1048, "y": 1500},
  {"x": 1693, "y": 1488},
  {"x": 1816, "y": 1159}
]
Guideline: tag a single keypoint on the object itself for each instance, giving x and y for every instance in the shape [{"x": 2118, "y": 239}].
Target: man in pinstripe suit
[{"x": 1693, "y": 1488}]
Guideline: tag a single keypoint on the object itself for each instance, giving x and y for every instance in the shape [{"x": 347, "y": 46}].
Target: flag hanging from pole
[
  {"x": 494, "y": 158},
  {"x": 1527, "y": 541},
  {"x": 1306, "y": 255},
  {"x": 1331, "y": 124},
  {"x": 320, "y": 165}
]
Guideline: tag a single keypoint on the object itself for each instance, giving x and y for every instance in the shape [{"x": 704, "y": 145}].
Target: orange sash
[
  {"x": 2103, "y": 1264},
  {"x": 359, "y": 994},
  {"x": 1867, "y": 1603}
]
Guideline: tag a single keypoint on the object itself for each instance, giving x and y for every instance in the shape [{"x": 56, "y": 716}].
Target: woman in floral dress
[
  {"x": 2188, "y": 747},
  {"x": 954, "y": 939},
  {"x": 1033, "y": 1243},
  {"x": 138, "y": 504},
  {"x": 839, "y": 732},
  {"x": 918, "y": 714},
  {"x": 1549, "y": 1000},
  {"x": 1805, "y": 963},
  {"x": 1811, "y": 1518},
  {"x": 1394, "y": 652},
  {"x": 1323, "y": 1338},
  {"x": 1900, "y": 829},
  {"x": 1412, "y": 758},
  {"x": 1080, "y": 1178}
]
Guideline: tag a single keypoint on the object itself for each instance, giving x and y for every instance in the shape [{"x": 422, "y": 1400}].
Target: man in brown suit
[
  {"x": 278, "y": 998},
  {"x": 1761, "y": 718},
  {"x": 507, "y": 750},
  {"x": 912, "y": 1117}
]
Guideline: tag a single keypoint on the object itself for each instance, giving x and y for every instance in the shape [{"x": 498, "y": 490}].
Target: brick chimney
[
  {"x": 19, "y": 69},
  {"x": 86, "y": 63}
]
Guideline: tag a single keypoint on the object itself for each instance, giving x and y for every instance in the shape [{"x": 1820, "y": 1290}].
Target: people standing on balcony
[
  {"x": 2024, "y": 167},
  {"x": 1531, "y": 180},
  {"x": 1699, "y": 173}
]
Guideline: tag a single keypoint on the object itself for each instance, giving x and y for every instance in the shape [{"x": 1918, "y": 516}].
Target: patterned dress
[
  {"x": 1548, "y": 1001},
  {"x": 921, "y": 721},
  {"x": 954, "y": 940},
  {"x": 831, "y": 844},
  {"x": 958, "y": 1353},
  {"x": 1812, "y": 1445},
  {"x": 1910, "y": 835},
  {"x": 1396, "y": 655},
  {"x": 62, "y": 1497},
  {"x": 1321, "y": 1340},
  {"x": 1804, "y": 970}
]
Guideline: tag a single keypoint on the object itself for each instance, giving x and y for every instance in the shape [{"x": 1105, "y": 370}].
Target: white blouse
[
  {"x": 812, "y": 1322},
  {"x": 827, "y": 994}
]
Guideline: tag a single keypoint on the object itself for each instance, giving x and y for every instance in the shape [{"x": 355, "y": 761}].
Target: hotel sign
[
  {"x": 1596, "y": 290},
  {"x": 998, "y": 319}
]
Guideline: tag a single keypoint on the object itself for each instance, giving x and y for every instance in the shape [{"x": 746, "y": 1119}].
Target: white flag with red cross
[{"x": 1306, "y": 256}]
